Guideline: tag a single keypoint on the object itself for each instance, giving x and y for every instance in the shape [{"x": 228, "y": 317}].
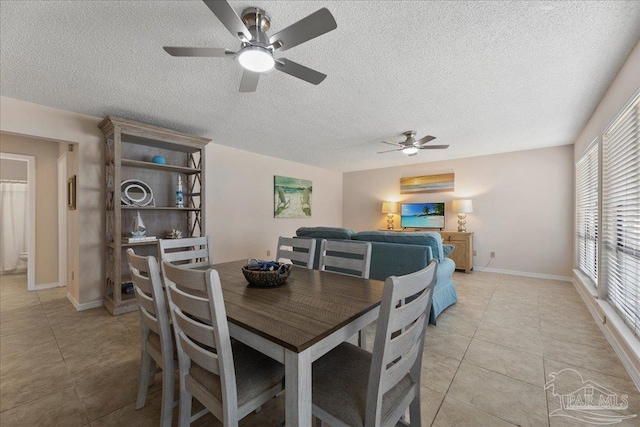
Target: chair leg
[
  {"x": 362, "y": 338},
  {"x": 185, "y": 405},
  {"x": 414, "y": 412},
  {"x": 153, "y": 370},
  {"x": 143, "y": 383},
  {"x": 167, "y": 395}
]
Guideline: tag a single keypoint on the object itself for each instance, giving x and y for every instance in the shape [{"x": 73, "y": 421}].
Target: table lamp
[
  {"x": 390, "y": 208},
  {"x": 462, "y": 207}
]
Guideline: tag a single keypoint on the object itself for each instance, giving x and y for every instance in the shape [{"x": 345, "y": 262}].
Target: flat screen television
[{"x": 422, "y": 215}]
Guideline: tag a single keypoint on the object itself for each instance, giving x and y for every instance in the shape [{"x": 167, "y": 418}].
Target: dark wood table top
[{"x": 310, "y": 306}]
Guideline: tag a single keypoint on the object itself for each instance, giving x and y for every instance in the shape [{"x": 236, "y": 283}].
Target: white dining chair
[
  {"x": 352, "y": 387},
  {"x": 195, "y": 251},
  {"x": 300, "y": 251},
  {"x": 157, "y": 347},
  {"x": 228, "y": 378},
  {"x": 346, "y": 257}
]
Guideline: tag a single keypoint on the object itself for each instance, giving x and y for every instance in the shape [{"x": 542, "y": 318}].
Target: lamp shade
[
  {"x": 389, "y": 207},
  {"x": 462, "y": 206}
]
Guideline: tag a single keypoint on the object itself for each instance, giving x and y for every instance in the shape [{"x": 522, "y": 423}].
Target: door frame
[
  {"x": 62, "y": 220},
  {"x": 31, "y": 214}
]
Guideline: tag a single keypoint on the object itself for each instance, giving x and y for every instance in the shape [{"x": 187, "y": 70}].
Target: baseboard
[
  {"x": 51, "y": 285},
  {"x": 523, "y": 273},
  {"x": 86, "y": 305},
  {"x": 606, "y": 318}
]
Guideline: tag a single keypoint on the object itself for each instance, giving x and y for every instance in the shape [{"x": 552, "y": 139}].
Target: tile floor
[{"x": 485, "y": 364}]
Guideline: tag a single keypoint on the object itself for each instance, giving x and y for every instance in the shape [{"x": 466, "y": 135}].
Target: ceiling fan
[
  {"x": 410, "y": 146},
  {"x": 256, "y": 51}
]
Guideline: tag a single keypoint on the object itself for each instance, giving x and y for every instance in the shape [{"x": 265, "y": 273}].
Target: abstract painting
[
  {"x": 291, "y": 197},
  {"x": 427, "y": 184}
]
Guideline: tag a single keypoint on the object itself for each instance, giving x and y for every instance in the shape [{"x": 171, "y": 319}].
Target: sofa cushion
[
  {"x": 426, "y": 238},
  {"x": 325, "y": 232},
  {"x": 396, "y": 259}
]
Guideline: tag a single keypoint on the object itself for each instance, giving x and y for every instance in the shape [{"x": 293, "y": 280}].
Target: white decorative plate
[{"x": 136, "y": 193}]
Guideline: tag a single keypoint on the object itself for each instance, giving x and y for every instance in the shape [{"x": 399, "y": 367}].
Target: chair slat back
[
  {"x": 154, "y": 315},
  {"x": 399, "y": 341},
  {"x": 204, "y": 337},
  {"x": 195, "y": 251},
  {"x": 300, "y": 251},
  {"x": 346, "y": 257}
]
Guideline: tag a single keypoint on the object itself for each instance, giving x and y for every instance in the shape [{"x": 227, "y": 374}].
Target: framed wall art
[
  {"x": 427, "y": 184},
  {"x": 291, "y": 197}
]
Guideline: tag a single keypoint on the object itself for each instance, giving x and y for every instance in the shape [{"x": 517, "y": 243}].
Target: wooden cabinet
[
  {"x": 462, "y": 255},
  {"x": 129, "y": 150}
]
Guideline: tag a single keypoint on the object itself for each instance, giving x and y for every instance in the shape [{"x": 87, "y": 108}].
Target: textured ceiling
[{"x": 484, "y": 77}]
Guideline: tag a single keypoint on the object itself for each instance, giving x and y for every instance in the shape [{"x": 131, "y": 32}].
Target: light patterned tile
[
  {"x": 501, "y": 396},
  {"x": 438, "y": 371},
  {"x": 454, "y": 413},
  {"x": 446, "y": 343},
  {"x": 516, "y": 364},
  {"x": 61, "y": 408},
  {"x": 430, "y": 402},
  {"x": 602, "y": 359}
]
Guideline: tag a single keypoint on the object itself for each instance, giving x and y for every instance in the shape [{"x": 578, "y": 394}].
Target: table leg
[{"x": 298, "y": 388}]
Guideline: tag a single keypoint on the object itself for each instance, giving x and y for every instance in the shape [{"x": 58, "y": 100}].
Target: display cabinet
[{"x": 147, "y": 159}]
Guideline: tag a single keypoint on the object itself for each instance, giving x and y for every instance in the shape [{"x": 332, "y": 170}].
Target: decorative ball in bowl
[{"x": 264, "y": 274}]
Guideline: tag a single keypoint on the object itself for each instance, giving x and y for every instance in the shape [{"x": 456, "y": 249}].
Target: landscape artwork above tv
[{"x": 422, "y": 215}]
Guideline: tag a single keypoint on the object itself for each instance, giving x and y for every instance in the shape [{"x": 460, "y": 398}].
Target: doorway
[{"x": 18, "y": 216}]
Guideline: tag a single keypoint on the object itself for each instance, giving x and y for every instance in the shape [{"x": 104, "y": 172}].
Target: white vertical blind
[
  {"x": 620, "y": 264},
  {"x": 587, "y": 213}
]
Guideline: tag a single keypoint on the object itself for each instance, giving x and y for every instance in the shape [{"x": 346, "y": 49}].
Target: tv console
[{"x": 462, "y": 255}]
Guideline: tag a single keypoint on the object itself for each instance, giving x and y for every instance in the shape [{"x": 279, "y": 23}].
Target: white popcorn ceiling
[{"x": 484, "y": 77}]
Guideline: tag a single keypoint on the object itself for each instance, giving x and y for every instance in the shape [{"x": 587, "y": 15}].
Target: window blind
[
  {"x": 620, "y": 264},
  {"x": 587, "y": 213}
]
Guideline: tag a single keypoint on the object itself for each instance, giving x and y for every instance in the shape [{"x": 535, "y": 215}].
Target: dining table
[{"x": 298, "y": 322}]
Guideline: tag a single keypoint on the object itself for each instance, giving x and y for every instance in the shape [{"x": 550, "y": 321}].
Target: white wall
[
  {"x": 240, "y": 201},
  {"x": 522, "y": 202},
  {"x": 86, "y": 224},
  {"x": 626, "y": 82},
  {"x": 46, "y": 233}
]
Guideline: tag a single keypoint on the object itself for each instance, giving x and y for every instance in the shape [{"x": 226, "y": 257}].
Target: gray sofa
[{"x": 397, "y": 254}]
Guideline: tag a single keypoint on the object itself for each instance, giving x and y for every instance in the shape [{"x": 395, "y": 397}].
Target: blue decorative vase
[{"x": 159, "y": 160}]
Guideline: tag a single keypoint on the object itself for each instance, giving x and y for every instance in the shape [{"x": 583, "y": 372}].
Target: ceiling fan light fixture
[
  {"x": 410, "y": 150},
  {"x": 257, "y": 59}
]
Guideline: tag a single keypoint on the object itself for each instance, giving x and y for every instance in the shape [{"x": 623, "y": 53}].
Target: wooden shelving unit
[{"x": 129, "y": 148}]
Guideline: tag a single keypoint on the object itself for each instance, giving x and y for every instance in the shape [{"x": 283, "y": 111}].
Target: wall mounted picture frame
[
  {"x": 291, "y": 197},
  {"x": 71, "y": 193},
  {"x": 427, "y": 184}
]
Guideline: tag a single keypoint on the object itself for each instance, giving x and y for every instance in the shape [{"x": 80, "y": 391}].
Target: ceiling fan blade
[
  {"x": 397, "y": 144},
  {"x": 433, "y": 147},
  {"x": 249, "y": 82},
  {"x": 308, "y": 28},
  {"x": 229, "y": 18},
  {"x": 425, "y": 139},
  {"x": 198, "y": 51},
  {"x": 300, "y": 71},
  {"x": 388, "y": 151}
]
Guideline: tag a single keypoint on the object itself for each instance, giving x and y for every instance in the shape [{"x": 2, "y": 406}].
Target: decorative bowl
[
  {"x": 266, "y": 278},
  {"x": 159, "y": 160}
]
